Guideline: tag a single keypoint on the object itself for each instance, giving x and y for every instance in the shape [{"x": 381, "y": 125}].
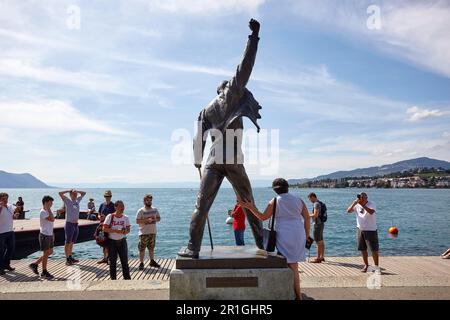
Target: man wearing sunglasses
[{"x": 366, "y": 231}]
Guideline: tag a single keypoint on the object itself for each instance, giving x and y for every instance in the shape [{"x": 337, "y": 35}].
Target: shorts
[
  {"x": 366, "y": 239},
  {"x": 147, "y": 241},
  {"x": 318, "y": 232},
  {"x": 46, "y": 242},
  {"x": 71, "y": 230}
]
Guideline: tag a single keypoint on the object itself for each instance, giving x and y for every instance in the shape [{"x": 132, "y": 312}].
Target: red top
[{"x": 239, "y": 218}]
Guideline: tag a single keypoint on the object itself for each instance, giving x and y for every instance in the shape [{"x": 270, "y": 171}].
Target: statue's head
[{"x": 222, "y": 86}]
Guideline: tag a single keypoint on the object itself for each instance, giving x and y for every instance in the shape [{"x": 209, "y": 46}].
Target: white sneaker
[
  {"x": 377, "y": 271},
  {"x": 261, "y": 252}
]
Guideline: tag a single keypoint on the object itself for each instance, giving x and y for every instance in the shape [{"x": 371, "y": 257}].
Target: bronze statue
[{"x": 222, "y": 115}]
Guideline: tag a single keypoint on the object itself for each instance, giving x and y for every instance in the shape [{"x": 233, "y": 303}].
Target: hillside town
[{"x": 418, "y": 178}]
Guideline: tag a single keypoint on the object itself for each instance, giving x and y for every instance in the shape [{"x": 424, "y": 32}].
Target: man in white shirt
[
  {"x": 367, "y": 234},
  {"x": 7, "y": 238},
  {"x": 46, "y": 238}
]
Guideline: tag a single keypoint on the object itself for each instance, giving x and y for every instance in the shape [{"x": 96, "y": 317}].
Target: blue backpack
[{"x": 323, "y": 212}]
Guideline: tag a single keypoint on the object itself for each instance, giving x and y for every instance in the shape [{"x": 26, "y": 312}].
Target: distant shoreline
[
  {"x": 390, "y": 188},
  {"x": 195, "y": 189}
]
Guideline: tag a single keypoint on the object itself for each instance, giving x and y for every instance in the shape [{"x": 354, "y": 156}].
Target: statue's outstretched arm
[{"x": 244, "y": 69}]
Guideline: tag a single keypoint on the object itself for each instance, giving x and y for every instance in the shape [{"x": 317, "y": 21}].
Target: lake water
[{"x": 421, "y": 215}]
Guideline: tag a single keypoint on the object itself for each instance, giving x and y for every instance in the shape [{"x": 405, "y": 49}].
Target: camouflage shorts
[{"x": 147, "y": 241}]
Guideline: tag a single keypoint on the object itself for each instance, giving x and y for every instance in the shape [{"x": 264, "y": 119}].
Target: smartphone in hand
[{"x": 309, "y": 243}]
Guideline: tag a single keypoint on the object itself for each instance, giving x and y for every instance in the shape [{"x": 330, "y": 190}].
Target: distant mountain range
[
  {"x": 180, "y": 184},
  {"x": 405, "y": 165},
  {"x": 23, "y": 180},
  {"x": 26, "y": 180}
]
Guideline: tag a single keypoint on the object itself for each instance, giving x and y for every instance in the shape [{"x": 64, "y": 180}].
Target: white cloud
[
  {"x": 333, "y": 101},
  {"x": 305, "y": 76},
  {"x": 84, "y": 80},
  {"x": 6, "y": 134},
  {"x": 206, "y": 7},
  {"x": 377, "y": 146},
  {"x": 36, "y": 40},
  {"x": 419, "y": 32},
  {"x": 350, "y": 152},
  {"x": 308, "y": 76},
  {"x": 147, "y": 33},
  {"x": 418, "y": 114},
  {"x": 50, "y": 116},
  {"x": 28, "y": 67},
  {"x": 374, "y": 145},
  {"x": 412, "y": 30},
  {"x": 175, "y": 65}
]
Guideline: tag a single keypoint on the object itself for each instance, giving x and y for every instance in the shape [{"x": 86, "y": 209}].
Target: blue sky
[{"x": 100, "y": 103}]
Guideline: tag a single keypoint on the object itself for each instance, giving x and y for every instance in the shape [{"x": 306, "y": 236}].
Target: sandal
[
  {"x": 364, "y": 270},
  {"x": 317, "y": 260}
]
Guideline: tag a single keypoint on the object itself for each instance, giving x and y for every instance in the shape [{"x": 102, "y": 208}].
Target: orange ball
[{"x": 393, "y": 230}]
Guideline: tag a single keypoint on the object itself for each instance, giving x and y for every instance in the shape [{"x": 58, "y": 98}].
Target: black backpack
[{"x": 323, "y": 212}]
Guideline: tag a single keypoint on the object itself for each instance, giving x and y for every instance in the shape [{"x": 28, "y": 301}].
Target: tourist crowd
[
  {"x": 110, "y": 235},
  {"x": 290, "y": 215}
]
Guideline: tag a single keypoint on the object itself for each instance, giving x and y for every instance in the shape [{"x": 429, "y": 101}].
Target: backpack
[
  {"x": 323, "y": 212},
  {"x": 100, "y": 236}
]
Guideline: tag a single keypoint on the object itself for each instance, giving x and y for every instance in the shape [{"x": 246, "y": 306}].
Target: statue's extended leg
[
  {"x": 211, "y": 180},
  {"x": 238, "y": 178}
]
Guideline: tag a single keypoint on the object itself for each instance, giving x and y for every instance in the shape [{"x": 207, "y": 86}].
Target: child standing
[{"x": 46, "y": 237}]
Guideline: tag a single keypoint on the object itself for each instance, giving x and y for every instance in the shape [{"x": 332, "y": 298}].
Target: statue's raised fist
[{"x": 254, "y": 25}]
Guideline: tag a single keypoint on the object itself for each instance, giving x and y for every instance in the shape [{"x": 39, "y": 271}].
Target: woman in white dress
[{"x": 292, "y": 224}]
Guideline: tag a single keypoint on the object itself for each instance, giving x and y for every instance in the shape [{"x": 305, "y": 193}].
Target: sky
[{"x": 108, "y": 91}]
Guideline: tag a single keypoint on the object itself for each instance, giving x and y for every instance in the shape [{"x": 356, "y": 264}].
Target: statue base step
[
  {"x": 232, "y": 284},
  {"x": 232, "y": 273},
  {"x": 231, "y": 257}
]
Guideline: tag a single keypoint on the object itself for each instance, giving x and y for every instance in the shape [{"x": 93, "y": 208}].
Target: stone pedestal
[{"x": 233, "y": 273}]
